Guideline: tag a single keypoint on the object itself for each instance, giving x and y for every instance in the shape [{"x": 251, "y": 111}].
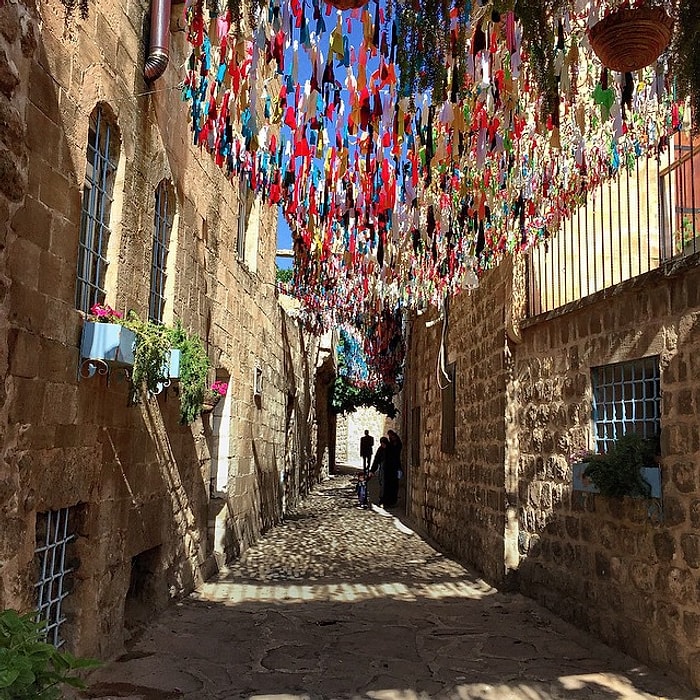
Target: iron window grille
[
  {"x": 162, "y": 227},
  {"x": 626, "y": 399},
  {"x": 53, "y": 535},
  {"x": 244, "y": 209},
  {"x": 102, "y": 153}
]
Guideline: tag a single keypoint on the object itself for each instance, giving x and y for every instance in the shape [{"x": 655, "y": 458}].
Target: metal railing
[{"x": 626, "y": 227}]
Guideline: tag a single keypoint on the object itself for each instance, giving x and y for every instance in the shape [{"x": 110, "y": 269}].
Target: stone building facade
[
  {"x": 503, "y": 497},
  {"x": 136, "y": 507},
  {"x": 626, "y": 569},
  {"x": 457, "y": 493}
]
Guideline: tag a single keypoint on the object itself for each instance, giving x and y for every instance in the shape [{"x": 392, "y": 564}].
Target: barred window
[
  {"x": 245, "y": 206},
  {"x": 102, "y": 157},
  {"x": 162, "y": 227},
  {"x": 626, "y": 399},
  {"x": 55, "y": 531}
]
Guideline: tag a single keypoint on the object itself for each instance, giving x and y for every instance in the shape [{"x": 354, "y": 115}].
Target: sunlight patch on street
[{"x": 234, "y": 593}]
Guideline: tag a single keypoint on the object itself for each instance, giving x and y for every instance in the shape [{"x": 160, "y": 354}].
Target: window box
[
  {"x": 652, "y": 475},
  {"x": 109, "y": 342},
  {"x": 174, "y": 364}
]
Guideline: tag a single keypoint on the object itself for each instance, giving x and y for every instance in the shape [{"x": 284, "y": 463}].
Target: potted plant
[
  {"x": 631, "y": 35},
  {"x": 213, "y": 395},
  {"x": 152, "y": 354},
  {"x": 628, "y": 468},
  {"x": 194, "y": 365},
  {"x": 106, "y": 339}
]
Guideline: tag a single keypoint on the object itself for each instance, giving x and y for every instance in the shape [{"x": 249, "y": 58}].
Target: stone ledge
[{"x": 671, "y": 268}]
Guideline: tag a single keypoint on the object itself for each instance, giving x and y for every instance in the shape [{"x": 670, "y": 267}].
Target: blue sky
[{"x": 284, "y": 241}]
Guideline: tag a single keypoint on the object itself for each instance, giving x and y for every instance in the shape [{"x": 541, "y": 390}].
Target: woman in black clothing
[
  {"x": 378, "y": 465},
  {"x": 392, "y": 465}
]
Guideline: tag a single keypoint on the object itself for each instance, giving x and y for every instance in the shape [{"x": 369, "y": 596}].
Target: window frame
[
  {"x": 52, "y": 558},
  {"x": 619, "y": 391},
  {"x": 102, "y": 156},
  {"x": 163, "y": 218}
]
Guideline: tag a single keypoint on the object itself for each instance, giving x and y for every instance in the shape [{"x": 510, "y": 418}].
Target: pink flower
[
  {"x": 219, "y": 388},
  {"x": 105, "y": 313}
]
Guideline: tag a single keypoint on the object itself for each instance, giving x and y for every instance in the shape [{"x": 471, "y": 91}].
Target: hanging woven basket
[
  {"x": 629, "y": 39},
  {"x": 348, "y": 4}
]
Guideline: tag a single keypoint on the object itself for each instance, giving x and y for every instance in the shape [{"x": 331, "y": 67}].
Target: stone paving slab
[{"x": 342, "y": 602}]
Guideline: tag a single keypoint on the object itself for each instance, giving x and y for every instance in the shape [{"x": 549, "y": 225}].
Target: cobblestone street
[{"x": 342, "y": 602}]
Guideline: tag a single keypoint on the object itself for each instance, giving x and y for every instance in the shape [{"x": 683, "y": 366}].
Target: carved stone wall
[{"x": 627, "y": 570}]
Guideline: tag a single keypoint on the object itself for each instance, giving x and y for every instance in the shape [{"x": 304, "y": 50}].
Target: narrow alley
[{"x": 342, "y": 602}]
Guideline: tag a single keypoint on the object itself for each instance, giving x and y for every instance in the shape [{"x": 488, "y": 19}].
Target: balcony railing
[{"x": 626, "y": 227}]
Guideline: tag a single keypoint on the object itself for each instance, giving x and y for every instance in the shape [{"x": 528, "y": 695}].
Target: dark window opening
[{"x": 448, "y": 409}]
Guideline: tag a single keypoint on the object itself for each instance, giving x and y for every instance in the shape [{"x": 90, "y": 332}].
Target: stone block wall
[
  {"x": 18, "y": 47},
  {"x": 627, "y": 569},
  {"x": 459, "y": 498},
  {"x": 137, "y": 480}
]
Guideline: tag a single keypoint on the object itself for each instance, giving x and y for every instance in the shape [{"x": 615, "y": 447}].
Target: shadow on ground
[{"x": 339, "y": 602}]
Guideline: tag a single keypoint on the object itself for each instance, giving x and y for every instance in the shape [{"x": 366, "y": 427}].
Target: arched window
[
  {"x": 162, "y": 227},
  {"x": 102, "y": 158}
]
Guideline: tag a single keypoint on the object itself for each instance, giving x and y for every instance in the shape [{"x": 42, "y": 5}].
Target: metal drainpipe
[{"x": 158, "y": 54}]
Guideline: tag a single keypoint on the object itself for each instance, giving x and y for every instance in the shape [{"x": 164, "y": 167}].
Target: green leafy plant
[
  {"x": 30, "y": 668},
  {"x": 427, "y": 45},
  {"x": 284, "y": 275},
  {"x": 151, "y": 353},
  {"x": 347, "y": 397},
  {"x": 617, "y": 472},
  {"x": 194, "y": 365},
  {"x": 685, "y": 55}
]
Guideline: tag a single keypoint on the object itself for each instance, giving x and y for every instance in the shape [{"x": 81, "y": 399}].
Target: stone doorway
[{"x": 146, "y": 595}]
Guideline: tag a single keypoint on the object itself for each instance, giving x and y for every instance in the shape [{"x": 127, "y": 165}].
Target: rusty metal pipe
[{"x": 159, "y": 53}]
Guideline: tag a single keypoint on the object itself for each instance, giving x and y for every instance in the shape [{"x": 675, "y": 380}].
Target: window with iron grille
[
  {"x": 162, "y": 226},
  {"x": 102, "y": 156},
  {"x": 245, "y": 206},
  {"x": 626, "y": 399},
  {"x": 55, "y": 531}
]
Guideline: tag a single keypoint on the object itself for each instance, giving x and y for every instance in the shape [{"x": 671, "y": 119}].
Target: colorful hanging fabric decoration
[{"x": 395, "y": 198}]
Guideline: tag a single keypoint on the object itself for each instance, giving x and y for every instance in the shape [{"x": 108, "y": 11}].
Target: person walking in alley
[
  {"x": 366, "y": 449},
  {"x": 378, "y": 465},
  {"x": 392, "y": 466}
]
